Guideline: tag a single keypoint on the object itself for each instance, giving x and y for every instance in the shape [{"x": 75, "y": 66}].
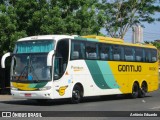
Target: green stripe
[
  {"x": 80, "y": 38},
  {"x": 96, "y": 74},
  {"x": 86, "y": 39},
  {"x": 93, "y": 40},
  {"x": 33, "y": 85},
  {"x": 107, "y": 74},
  {"x": 37, "y": 85},
  {"x": 40, "y": 85},
  {"x": 102, "y": 74}
]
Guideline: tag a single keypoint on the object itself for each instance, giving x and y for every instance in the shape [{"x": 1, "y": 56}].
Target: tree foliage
[
  {"x": 120, "y": 15},
  {"x": 8, "y": 28},
  {"x": 20, "y": 18}
]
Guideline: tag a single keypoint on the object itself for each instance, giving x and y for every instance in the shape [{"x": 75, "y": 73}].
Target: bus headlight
[
  {"x": 13, "y": 88},
  {"x": 45, "y": 88}
]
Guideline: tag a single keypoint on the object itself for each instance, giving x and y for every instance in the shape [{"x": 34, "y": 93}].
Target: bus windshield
[
  {"x": 29, "y": 61},
  {"x": 30, "y": 67}
]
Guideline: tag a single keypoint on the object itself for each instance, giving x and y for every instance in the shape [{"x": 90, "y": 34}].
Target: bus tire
[
  {"x": 76, "y": 94},
  {"x": 135, "y": 91},
  {"x": 142, "y": 90}
]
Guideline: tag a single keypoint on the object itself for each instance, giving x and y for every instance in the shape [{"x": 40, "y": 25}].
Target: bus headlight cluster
[
  {"x": 45, "y": 88},
  {"x": 13, "y": 88}
]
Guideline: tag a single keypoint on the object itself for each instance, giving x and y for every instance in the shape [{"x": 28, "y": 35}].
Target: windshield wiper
[
  {"x": 22, "y": 73},
  {"x": 31, "y": 70},
  {"x": 30, "y": 74},
  {"x": 33, "y": 75}
]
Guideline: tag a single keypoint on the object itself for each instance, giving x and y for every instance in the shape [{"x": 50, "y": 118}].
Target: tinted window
[
  {"x": 77, "y": 50},
  {"x": 153, "y": 55},
  {"x": 92, "y": 50},
  {"x": 139, "y": 54},
  {"x": 129, "y": 54},
  {"x": 61, "y": 58},
  {"x": 147, "y": 55},
  {"x": 104, "y": 51},
  {"x": 116, "y": 52},
  {"x": 35, "y": 46}
]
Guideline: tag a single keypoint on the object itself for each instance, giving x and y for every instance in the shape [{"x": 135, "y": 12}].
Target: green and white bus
[{"x": 62, "y": 66}]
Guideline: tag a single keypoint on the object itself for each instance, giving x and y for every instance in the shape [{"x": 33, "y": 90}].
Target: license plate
[{"x": 28, "y": 94}]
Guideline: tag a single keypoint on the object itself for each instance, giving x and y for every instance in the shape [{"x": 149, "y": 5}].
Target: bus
[{"x": 62, "y": 66}]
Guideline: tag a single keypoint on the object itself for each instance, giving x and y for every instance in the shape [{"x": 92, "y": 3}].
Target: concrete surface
[{"x": 5, "y": 97}]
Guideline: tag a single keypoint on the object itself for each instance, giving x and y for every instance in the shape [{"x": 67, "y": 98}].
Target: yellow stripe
[{"x": 22, "y": 86}]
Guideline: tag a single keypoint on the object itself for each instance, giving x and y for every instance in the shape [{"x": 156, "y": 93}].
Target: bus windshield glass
[{"x": 30, "y": 67}]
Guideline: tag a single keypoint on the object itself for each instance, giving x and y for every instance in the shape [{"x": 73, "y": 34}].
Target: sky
[{"x": 151, "y": 32}]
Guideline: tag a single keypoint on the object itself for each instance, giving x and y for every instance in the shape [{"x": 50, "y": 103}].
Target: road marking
[{"x": 155, "y": 107}]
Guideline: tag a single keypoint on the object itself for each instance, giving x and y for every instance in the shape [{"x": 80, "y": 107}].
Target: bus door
[{"x": 61, "y": 58}]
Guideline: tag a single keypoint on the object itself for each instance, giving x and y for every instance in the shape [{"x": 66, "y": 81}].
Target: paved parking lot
[{"x": 5, "y": 97}]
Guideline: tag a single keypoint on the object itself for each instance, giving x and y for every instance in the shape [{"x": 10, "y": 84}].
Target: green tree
[
  {"x": 120, "y": 15},
  {"x": 55, "y": 17},
  {"x": 20, "y": 18},
  {"x": 70, "y": 17},
  {"x": 8, "y": 29}
]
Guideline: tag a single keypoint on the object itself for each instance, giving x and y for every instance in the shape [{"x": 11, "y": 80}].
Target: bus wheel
[
  {"x": 135, "y": 90},
  {"x": 143, "y": 90},
  {"x": 76, "y": 94}
]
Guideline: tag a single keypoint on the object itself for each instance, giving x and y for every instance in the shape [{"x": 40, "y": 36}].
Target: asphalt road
[{"x": 112, "y": 103}]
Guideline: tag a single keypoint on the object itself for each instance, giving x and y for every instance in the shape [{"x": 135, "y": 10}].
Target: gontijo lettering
[{"x": 129, "y": 68}]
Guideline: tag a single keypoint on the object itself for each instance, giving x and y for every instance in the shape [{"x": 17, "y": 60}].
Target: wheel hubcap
[
  {"x": 76, "y": 95},
  {"x": 144, "y": 89},
  {"x": 135, "y": 91}
]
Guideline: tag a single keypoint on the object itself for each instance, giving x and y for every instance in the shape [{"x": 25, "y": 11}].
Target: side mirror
[
  {"x": 49, "y": 58},
  {"x": 4, "y": 59}
]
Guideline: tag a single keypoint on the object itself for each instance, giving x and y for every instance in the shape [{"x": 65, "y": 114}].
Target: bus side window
[
  {"x": 147, "y": 55},
  {"x": 104, "y": 51},
  {"x": 77, "y": 50},
  {"x": 129, "y": 54},
  {"x": 138, "y": 54},
  {"x": 153, "y": 55},
  {"x": 117, "y": 52},
  {"x": 92, "y": 50}
]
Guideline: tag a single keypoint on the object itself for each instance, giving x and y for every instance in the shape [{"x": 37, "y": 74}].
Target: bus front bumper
[{"x": 32, "y": 94}]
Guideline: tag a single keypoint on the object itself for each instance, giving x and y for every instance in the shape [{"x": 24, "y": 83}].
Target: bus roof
[
  {"x": 115, "y": 40},
  {"x": 44, "y": 37},
  {"x": 93, "y": 38},
  {"x": 104, "y": 39}
]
